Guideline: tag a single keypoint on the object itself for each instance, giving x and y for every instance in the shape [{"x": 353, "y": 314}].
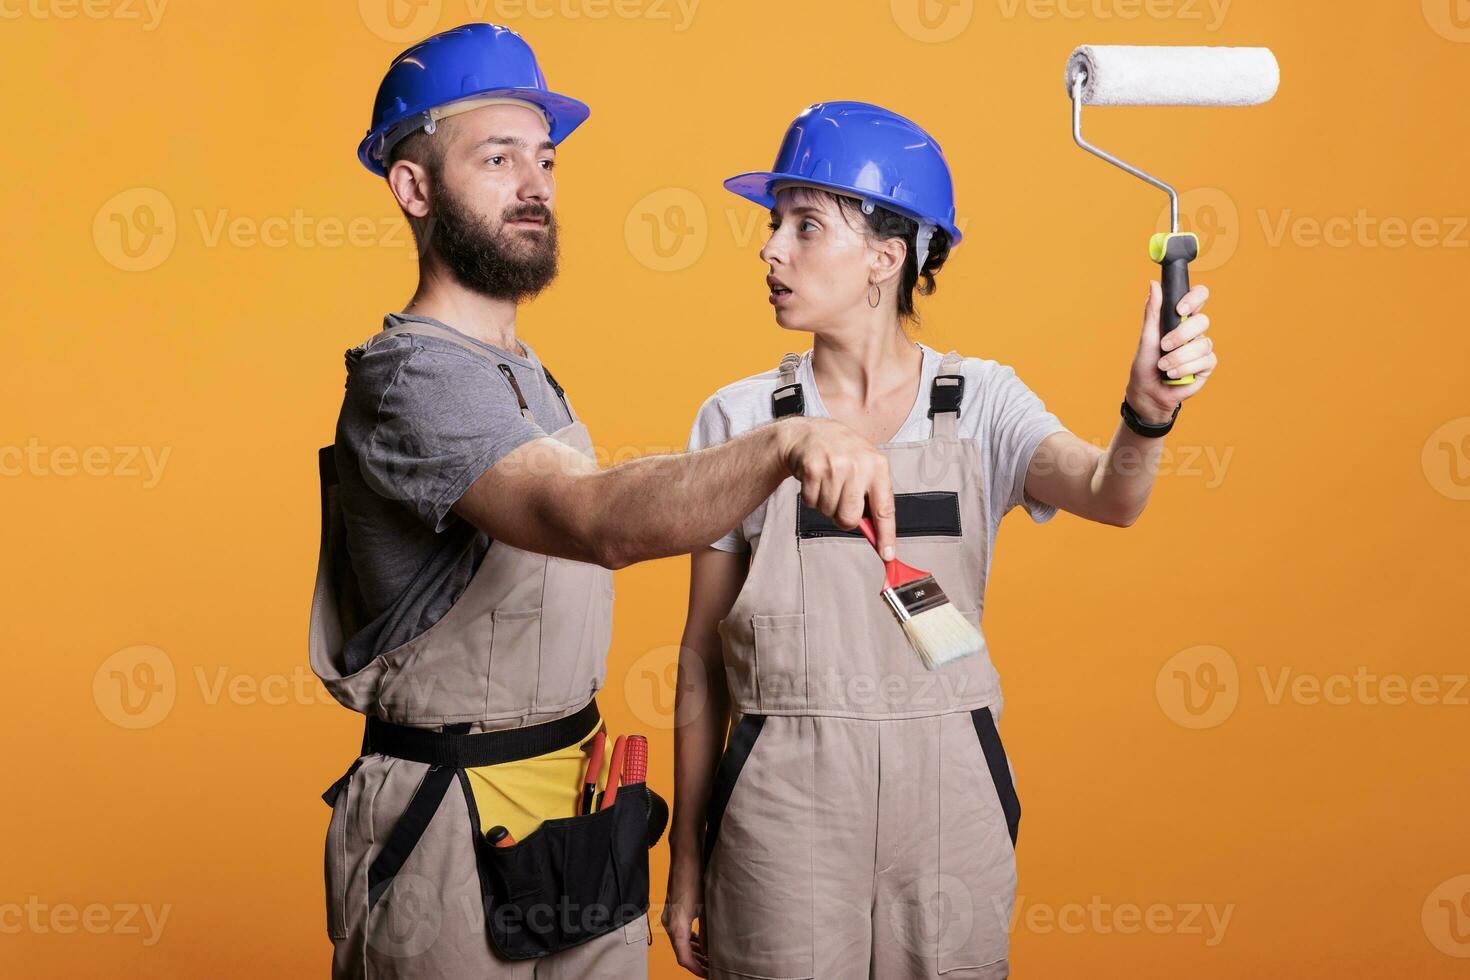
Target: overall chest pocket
[{"x": 780, "y": 661}]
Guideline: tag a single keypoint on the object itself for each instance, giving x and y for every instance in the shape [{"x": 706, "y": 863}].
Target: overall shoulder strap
[
  {"x": 429, "y": 330},
  {"x": 788, "y": 399},
  {"x": 419, "y": 328},
  {"x": 560, "y": 393},
  {"x": 946, "y": 395}
]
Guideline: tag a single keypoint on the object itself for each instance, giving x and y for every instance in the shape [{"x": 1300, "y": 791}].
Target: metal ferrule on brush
[{"x": 918, "y": 596}]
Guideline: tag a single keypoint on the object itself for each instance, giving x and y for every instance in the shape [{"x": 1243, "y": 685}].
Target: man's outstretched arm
[{"x": 547, "y": 497}]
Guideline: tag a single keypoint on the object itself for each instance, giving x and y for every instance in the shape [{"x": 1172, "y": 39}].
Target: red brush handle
[{"x": 895, "y": 572}]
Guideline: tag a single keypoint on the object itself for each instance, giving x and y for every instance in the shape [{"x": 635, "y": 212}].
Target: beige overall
[
  {"x": 862, "y": 822},
  {"x": 524, "y": 645}
]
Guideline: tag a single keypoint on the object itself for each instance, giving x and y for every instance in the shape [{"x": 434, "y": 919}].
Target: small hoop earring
[{"x": 874, "y": 301}]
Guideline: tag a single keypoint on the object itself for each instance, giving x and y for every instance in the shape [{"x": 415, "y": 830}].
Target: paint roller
[{"x": 1106, "y": 74}]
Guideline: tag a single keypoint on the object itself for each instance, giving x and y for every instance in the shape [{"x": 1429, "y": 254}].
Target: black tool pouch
[{"x": 572, "y": 879}]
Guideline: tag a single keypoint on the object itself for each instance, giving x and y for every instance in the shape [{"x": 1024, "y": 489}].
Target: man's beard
[{"x": 506, "y": 264}]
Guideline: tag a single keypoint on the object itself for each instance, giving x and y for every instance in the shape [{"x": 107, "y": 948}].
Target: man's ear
[
  {"x": 887, "y": 257},
  {"x": 409, "y": 183}
]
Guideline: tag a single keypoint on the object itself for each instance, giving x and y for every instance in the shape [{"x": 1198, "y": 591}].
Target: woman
[{"x": 861, "y": 820}]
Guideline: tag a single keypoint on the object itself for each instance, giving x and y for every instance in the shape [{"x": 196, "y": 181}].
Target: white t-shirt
[{"x": 1004, "y": 417}]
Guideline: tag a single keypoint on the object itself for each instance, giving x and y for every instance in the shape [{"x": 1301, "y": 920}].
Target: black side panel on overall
[
  {"x": 916, "y": 514},
  {"x": 737, "y": 750},
  {"x": 1000, "y": 770}
]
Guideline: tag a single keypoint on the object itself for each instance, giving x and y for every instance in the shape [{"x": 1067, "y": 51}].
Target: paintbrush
[{"x": 933, "y": 626}]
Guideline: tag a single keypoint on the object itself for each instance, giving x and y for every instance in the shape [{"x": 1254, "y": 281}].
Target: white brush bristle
[{"x": 942, "y": 635}]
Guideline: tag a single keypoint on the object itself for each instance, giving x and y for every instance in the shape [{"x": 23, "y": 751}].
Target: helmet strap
[{"x": 921, "y": 247}]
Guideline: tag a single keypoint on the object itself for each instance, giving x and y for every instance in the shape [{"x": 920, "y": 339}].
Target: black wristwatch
[{"x": 1143, "y": 428}]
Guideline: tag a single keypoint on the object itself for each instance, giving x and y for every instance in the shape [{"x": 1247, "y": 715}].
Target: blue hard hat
[
  {"x": 862, "y": 151},
  {"x": 473, "y": 61}
]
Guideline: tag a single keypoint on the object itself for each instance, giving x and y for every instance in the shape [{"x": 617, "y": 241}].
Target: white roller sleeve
[{"x": 1119, "y": 74}]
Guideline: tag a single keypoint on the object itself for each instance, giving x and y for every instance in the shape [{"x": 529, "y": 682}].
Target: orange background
[{"x": 1310, "y": 522}]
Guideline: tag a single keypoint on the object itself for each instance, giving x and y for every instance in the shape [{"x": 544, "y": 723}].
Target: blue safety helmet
[
  {"x": 473, "y": 61},
  {"x": 862, "y": 151}
]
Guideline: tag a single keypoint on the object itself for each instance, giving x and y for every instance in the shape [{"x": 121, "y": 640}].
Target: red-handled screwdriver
[
  {"x": 614, "y": 772},
  {"x": 594, "y": 770},
  {"x": 635, "y": 763}
]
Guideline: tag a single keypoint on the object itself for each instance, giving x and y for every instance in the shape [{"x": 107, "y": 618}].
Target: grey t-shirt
[{"x": 421, "y": 419}]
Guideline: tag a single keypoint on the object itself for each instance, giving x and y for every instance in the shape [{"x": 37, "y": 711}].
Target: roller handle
[{"x": 1173, "y": 253}]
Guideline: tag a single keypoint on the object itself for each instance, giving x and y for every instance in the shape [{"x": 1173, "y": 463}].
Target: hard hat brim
[
  {"x": 756, "y": 186},
  {"x": 563, "y": 115}
]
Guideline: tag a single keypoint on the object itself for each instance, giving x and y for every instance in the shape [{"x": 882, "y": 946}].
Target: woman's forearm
[
  {"x": 1123, "y": 476},
  {"x": 701, "y": 717}
]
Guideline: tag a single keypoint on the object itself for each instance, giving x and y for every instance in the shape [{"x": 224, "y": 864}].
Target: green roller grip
[{"x": 1173, "y": 252}]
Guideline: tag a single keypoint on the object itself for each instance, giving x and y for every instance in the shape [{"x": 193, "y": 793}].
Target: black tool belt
[{"x": 568, "y": 881}]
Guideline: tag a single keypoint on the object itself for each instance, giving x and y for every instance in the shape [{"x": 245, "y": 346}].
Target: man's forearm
[{"x": 668, "y": 505}]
